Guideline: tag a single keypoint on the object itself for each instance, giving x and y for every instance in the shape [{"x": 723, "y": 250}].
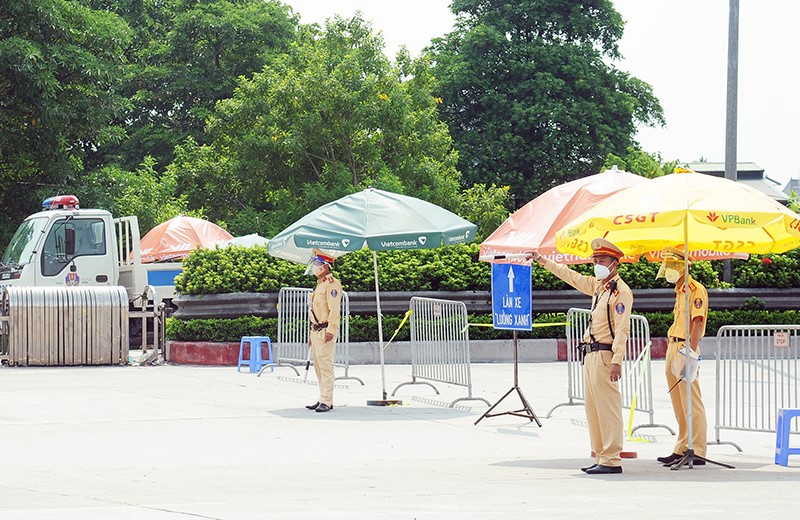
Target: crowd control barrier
[
  {"x": 440, "y": 345},
  {"x": 757, "y": 374},
  {"x": 636, "y": 384},
  {"x": 65, "y": 326},
  {"x": 291, "y": 345}
]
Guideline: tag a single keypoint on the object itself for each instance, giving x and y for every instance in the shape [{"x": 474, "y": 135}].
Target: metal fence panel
[
  {"x": 291, "y": 347},
  {"x": 62, "y": 326},
  {"x": 440, "y": 345},
  {"x": 636, "y": 385},
  {"x": 757, "y": 373}
]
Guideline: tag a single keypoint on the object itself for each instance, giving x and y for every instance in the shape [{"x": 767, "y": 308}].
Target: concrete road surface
[{"x": 184, "y": 442}]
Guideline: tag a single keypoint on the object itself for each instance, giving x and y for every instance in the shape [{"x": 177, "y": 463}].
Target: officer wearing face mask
[
  {"x": 325, "y": 315},
  {"x": 605, "y": 342},
  {"x": 674, "y": 269}
]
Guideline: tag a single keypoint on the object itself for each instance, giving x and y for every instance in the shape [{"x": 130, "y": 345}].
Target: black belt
[
  {"x": 594, "y": 347},
  {"x": 676, "y": 340},
  {"x": 319, "y": 326}
]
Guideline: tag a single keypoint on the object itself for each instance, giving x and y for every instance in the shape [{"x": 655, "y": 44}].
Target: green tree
[
  {"x": 143, "y": 192},
  {"x": 187, "y": 56},
  {"x": 485, "y": 206},
  {"x": 640, "y": 162},
  {"x": 328, "y": 118},
  {"x": 529, "y": 94},
  {"x": 59, "y": 64}
]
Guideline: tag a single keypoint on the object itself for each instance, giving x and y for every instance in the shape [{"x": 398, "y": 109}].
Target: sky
[{"x": 679, "y": 47}]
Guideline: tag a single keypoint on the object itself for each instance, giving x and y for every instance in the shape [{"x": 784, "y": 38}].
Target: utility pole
[{"x": 731, "y": 107}]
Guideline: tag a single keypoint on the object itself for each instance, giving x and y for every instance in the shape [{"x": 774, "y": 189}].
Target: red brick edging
[{"x": 203, "y": 353}]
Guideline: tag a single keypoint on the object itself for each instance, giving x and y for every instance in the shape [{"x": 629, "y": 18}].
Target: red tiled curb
[{"x": 203, "y": 353}]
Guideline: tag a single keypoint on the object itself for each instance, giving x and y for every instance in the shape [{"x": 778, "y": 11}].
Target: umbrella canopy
[
  {"x": 179, "y": 236},
  {"x": 373, "y": 219},
  {"x": 685, "y": 209},
  {"x": 534, "y": 225},
  {"x": 376, "y": 220}
]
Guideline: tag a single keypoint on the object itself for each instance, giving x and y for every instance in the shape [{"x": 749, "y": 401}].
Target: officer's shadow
[{"x": 652, "y": 471}]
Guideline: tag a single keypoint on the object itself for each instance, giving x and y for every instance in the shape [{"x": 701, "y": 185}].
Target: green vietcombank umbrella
[{"x": 376, "y": 220}]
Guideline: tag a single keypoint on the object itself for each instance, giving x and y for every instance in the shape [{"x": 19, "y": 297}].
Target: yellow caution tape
[{"x": 403, "y": 322}]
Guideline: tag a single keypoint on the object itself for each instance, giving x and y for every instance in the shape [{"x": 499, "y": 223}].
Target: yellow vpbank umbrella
[{"x": 686, "y": 209}]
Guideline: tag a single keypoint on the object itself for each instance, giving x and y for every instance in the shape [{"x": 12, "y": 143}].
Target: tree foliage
[
  {"x": 60, "y": 62},
  {"x": 529, "y": 95},
  {"x": 188, "y": 56},
  {"x": 330, "y": 117}
]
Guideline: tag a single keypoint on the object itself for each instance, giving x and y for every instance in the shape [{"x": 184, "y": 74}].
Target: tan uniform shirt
[
  {"x": 606, "y": 304},
  {"x": 326, "y": 303},
  {"x": 698, "y": 303}
]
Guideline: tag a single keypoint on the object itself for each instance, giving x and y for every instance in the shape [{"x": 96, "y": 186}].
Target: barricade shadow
[
  {"x": 651, "y": 471},
  {"x": 374, "y": 413}
]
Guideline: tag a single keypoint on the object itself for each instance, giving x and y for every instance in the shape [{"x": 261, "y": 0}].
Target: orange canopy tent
[{"x": 179, "y": 236}]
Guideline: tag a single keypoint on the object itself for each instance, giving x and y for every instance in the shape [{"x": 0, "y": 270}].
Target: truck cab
[{"x": 62, "y": 245}]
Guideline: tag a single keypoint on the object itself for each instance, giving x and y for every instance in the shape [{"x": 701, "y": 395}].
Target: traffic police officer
[
  {"x": 673, "y": 269},
  {"x": 324, "y": 314},
  {"x": 605, "y": 342}
]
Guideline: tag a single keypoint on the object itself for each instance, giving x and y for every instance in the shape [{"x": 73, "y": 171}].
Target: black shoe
[
  {"x": 670, "y": 458},
  {"x": 603, "y": 470},
  {"x": 313, "y": 406},
  {"x": 324, "y": 408},
  {"x": 587, "y": 468}
]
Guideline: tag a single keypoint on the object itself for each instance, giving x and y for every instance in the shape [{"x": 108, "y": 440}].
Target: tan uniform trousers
[
  {"x": 603, "y": 408},
  {"x": 323, "y": 364},
  {"x": 679, "y": 404}
]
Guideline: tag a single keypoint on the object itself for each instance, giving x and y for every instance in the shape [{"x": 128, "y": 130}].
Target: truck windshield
[{"x": 21, "y": 248}]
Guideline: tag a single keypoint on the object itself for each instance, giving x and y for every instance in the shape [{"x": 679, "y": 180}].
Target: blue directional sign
[{"x": 511, "y": 296}]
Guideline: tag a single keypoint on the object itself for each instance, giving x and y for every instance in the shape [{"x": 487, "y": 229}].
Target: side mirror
[{"x": 69, "y": 239}]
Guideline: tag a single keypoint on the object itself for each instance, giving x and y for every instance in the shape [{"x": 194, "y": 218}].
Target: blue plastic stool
[
  {"x": 782, "y": 449},
  {"x": 256, "y": 361}
]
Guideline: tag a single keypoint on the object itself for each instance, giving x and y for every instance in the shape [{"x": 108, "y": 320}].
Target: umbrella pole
[
  {"x": 689, "y": 457},
  {"x": 384, "y": 401}
]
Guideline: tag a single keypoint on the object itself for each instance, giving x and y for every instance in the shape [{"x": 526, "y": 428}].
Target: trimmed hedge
[{"x": 455, "y": 268}]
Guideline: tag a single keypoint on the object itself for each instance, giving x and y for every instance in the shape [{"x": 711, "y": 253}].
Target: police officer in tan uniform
[
  {"x": 605, "y": 342},
  {"x": 673, "y": 270},
  {"x": 324, "y": 314}
]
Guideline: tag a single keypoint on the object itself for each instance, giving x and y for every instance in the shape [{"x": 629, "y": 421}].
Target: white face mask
[
  {"x": 601, "y": 271},
  {"x": 672, "y": 275}
]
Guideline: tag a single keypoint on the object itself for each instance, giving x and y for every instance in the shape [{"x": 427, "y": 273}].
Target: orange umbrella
[
  {"x": 179, "y": 236},
  {"x": 534, "y": 225}
]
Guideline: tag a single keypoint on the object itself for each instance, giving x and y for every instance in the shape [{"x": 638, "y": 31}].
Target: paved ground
[{"x": 175, "y": 442}]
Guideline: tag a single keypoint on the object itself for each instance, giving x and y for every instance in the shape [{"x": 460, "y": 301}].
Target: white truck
[{"x": 63, "y": 245}]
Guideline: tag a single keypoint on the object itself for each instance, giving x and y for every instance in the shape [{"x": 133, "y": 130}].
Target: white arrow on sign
[{"x": 510, "y": 279}]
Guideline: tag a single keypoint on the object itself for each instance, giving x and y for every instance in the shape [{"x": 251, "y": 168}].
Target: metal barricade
[
  {"x": 758, "y": 372},
  {"x": 440, "y": 345},
  {"x": 291, "y": 345},
  {"x": 65, "y": 326},
  {"x": 636, "y": 385}
]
